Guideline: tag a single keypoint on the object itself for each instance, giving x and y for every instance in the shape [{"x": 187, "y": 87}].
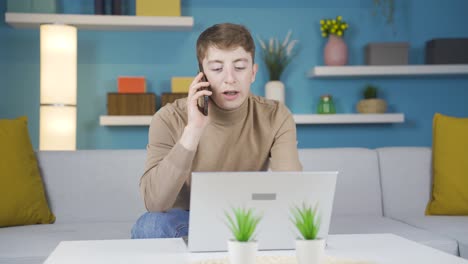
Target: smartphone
[{"x": 203, "y": 101}]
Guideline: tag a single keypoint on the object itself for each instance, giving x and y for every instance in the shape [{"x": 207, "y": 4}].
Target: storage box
[
  {"x": 158, "y": 7},
  {"x": 447, "y": 51},
  {"x": 131, "y": 104},
  {"x": 181, "y": 84},
  {"x": 171, "y": 97},
  {"x": 127, "y": 84},
  {"x": 32, "y": 6},
  {"x": 387, "y": 53}
]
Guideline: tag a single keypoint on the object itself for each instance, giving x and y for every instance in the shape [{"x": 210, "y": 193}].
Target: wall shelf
[
  {"x": 349, "y": 118},
  {"x": 382, "y": 71},
  {"x": 138, "y": 120},
  {"x": 304, "y": 119},
  {"x": 100, "y": 22}
]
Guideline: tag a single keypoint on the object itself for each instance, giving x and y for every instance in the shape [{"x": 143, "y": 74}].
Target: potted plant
[
  {"x": 309, "y": 247},
  {"x": 243, "y": 247},
  {"x": 277, "y": 57},
  {"x": 371, "y": 104},
  {"x": 336, "y": 51}
]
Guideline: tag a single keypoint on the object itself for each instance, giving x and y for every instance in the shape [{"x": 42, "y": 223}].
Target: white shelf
[
  {"x": 138, "y": 120},
  {"x": 300, "y": 119},
  {"x": 99, "y": 22},
  {"x": 396, "y": 70},
  {"x": 349, "y": 118}
]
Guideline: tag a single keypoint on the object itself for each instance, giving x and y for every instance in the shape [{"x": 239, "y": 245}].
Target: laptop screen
[{"x": 271, "y": 195}]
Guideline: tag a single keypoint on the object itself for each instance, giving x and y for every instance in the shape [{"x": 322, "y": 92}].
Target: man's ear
[{"x": 254, "y": 72}]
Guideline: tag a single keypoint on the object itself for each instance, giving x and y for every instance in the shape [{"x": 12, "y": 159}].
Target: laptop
[{"x": 270, "y": 194}]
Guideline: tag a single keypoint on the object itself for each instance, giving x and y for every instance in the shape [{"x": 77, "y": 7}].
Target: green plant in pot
[
  {"x": 242, "y": 223},
  {"x": 277, "y": 55},
  {"x": 371, "y": 104},
  {"x": 309, "y": 247}
]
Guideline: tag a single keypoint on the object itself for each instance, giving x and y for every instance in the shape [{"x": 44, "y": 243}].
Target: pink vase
[{"x": 336, "y": 51}]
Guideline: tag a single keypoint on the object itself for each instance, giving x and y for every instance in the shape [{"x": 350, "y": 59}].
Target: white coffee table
[{"x": 376, "y": 248}]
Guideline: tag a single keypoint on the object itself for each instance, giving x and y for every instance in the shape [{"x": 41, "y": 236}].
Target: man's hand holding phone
[{"x": 197, "y": 121}]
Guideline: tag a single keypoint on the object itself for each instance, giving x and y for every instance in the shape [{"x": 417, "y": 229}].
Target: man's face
[{"x": 230, "y": 73}]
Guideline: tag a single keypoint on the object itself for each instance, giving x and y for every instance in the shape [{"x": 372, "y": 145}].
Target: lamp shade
[
  {"x": 57, "y": 128},
  {"x": 58, "y": 64},
  {"x": 58, "y": 87}
]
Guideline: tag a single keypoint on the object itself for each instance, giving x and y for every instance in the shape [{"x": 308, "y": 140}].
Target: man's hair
[{"x": 225, "y": 36}]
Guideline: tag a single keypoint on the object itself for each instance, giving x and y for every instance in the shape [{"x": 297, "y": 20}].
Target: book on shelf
[
  {"x": 181, "y": 84},
  {"x": 171, "y": 97},
  {"x": 131, "y": 104},
  {"x": 131, "y": 84},
  {"x": 158, "y": 8}
]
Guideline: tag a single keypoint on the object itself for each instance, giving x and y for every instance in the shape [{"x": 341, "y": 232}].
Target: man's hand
[{"x": 196, "y": 120}]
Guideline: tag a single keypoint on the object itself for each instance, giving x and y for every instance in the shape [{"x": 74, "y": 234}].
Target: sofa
[{"x": 94, "y": 194}]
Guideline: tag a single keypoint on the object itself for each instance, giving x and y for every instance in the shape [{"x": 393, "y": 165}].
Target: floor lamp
[{"x": 58, "y": 87}]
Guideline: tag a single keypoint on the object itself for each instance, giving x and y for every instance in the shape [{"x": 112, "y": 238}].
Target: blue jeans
[{"x": 173, "y": 223}]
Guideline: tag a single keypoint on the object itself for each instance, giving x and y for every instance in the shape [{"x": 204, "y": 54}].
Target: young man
[{"x": 242, "y": 132}]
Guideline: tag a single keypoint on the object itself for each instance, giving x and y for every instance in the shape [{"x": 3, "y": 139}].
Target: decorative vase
[
  {"x": 275, "y": 90},
  {"x": 310, "y": 251},
  {"x": 371, "y": 106},
  {"x": 336, "y": 51},
  {"x": 326, "y": 105},
  {"x": 242, "y": 252}
]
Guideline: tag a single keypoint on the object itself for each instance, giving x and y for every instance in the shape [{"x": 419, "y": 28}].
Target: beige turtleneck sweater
[{"x": 260, "y": 134}]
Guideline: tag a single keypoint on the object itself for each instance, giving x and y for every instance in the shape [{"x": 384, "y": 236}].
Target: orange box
[{"x": 131, "y": 85}]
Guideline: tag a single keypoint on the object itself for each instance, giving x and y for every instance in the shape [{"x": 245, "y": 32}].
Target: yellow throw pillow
[
  {"x": 22, "y": 197},
  {"x": 450, "y": 166}
]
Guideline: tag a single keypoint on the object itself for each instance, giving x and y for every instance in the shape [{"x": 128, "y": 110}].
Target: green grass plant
[
  {"x": 307, "y": 221},
  {"x": 242, "y": 223}
]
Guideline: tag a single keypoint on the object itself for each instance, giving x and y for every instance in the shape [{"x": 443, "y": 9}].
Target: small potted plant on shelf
[
  {"x": 243, "y": 248},
  {"x": 277, "y": 56},
  {"x": 309, "y": 247},
  {"x": 371, "y": 104}
]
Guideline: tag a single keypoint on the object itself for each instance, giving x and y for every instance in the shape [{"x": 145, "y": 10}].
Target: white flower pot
[
  {"x": 242, "y": 252},
  {"x": 274, "y": 90},
  {"x": 310, "y": 251}
]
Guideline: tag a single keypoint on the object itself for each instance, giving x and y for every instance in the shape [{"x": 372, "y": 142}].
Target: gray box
[
  {"x": 447, "y": 51},
  {"x": 387, "y": 53}
]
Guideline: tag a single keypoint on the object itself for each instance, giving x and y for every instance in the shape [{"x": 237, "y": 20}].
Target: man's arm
[
  {"x": 167, "y": 167},
  {"x": 283, "y": 154},
  {"x": 169, "y": 158}
]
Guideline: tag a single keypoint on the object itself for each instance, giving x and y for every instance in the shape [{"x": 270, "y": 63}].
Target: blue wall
[{"x": 104, "y": 55}]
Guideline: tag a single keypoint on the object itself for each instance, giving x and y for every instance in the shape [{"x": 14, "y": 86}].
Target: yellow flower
[{"x": 332, "y": 26}]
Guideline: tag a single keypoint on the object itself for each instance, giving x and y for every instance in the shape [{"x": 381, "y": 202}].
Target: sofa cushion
[
  {"x": 23, "y": 200},
  {"x": 93, "y": 185},
  {"x": 455, "y": 227},
  {"x": 406, "y": 180},
  {"x": 369, "y": 225},
  {"x": 450, "y": 162},
  {"x": 33, "y": 244},
  {"x": 358, "y": 184}
]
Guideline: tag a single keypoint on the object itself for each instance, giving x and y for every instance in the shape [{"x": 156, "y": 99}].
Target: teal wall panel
[{"x": 105, "y": 55}]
